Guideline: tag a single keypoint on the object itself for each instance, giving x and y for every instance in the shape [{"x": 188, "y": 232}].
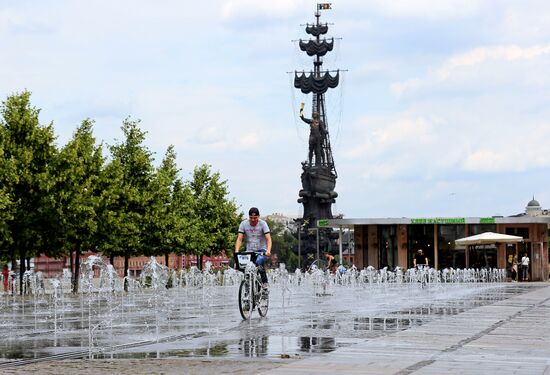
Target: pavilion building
[{"x": 392, "y": 242}]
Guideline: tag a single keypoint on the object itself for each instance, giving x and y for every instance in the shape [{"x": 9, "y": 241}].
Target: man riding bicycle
[{"x": 258, "y": 238}]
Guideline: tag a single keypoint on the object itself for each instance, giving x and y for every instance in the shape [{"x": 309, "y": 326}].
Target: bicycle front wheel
[
  {"x": 244, "y": 300},
  {"x": 263, "y": 300}
]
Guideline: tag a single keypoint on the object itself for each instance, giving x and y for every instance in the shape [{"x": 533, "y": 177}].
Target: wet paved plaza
[
  {"x": 306, "y": 324},
  {"x": 510, "y": 336}
]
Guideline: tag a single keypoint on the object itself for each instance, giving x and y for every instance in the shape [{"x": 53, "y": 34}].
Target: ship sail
[
  {"x": 317, "y": 30},
  {"x": 317, "y": 85},
  {"x": 314, "y": 47}
]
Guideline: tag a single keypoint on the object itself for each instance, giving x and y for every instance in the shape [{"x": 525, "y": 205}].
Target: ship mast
[
  {"x": 317, "y": 83},
  {"x": 319, "y": 171},
  {"x": 320, "y": 104}
]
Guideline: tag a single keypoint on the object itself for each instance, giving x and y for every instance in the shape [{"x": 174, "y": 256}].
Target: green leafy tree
[
  {"x": 128, "y": 196},
  {"x": 78, "y": 170},
  {"x": 109, "y": 212},
  {"x": 6, "y": 215},
  {"x": 28, "y": 150},
  {"x": 163, "y": 216},
  {"x": 187, "y": 233},
  {"x": 6, "y": 205},
  {"x": 215, "y": 217}
]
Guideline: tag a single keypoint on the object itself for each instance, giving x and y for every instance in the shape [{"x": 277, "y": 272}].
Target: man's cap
[{"x": 253, "y": 211}]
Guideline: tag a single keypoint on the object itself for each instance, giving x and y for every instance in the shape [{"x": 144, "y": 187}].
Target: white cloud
[
  {"x": 392, "y": 147},
  {"x": 382, "y": 134},
  {"x": 400, "y": 88},
  {"x": 523, "y": 22},
  {"x": 378, "y": 68},
  {"x": 202, "y": 118},
  {"x": 487, "y": 160},
  {"x": 426, "y": 9},
  {"x": 484, "y": 55},
  {"x": 480, "y": 70},
  {"x": 514, "y": 152},
  {"x": 491, "y": 100},
  {"x": 238, "y": 9}
]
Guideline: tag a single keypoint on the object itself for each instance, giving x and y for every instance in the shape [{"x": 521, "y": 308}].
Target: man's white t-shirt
[{"x": 255, "y": 235}]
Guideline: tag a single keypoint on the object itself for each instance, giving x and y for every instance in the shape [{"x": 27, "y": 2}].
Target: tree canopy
[
  {"x": 214, "y": 217},
  {"x": 57, "y": 201},
  {"x": 28, "y": 150}
]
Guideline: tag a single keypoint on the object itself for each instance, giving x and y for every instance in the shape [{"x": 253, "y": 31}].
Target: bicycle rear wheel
[
  {"x": 244, "y": 300},
  {"x": 263, "y": 300}
]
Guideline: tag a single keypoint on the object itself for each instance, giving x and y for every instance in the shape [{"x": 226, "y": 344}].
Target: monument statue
[
  {"x": 317, "y": 131},
  {"x": 318, "y": 171}
]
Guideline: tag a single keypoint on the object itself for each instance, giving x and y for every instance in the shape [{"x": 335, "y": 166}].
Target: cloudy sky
[{"x": 443, "y": 111}]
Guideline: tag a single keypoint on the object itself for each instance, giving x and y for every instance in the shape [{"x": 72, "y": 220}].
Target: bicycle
[{"x": 251, "y": 292}]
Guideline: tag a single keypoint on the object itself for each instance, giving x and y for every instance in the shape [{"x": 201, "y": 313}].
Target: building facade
[{"x": 392, "y": 242}]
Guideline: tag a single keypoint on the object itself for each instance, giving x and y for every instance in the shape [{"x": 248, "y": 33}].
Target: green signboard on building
[
  {"x": 487, "y": 220},
  {"x": 450, "y": 220}
]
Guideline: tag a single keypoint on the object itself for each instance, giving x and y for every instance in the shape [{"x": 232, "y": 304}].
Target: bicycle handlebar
[
  {"x": 257, "y": 252},
  {"x": 253, "y": 255}
]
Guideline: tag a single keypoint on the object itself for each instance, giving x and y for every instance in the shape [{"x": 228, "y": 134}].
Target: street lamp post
[
  {"x": 317, "y": 233},
  {"x": 299, "y": 246},
  {"x": 301, "y": 224},
  {"x": 340, "y": 246},
  {"x": 318, "y": 255}
]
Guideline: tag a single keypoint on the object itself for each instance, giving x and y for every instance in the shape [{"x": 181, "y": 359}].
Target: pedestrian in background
[
  {"x": 524, "y": 267},
  {"x": 6, "y": 276},
  {"x": 420, "y": 260}
]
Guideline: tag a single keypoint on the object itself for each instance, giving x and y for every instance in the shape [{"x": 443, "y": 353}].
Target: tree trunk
[
  {"x": 71, "y": 265},
  {"x": 21, "y": 268},
  {"x": 199, "y": 262},
  {"x": 76, "y": 269},
  {"x": 166, "y": 259},
  {"x": 125, "y": 271},
  {"x": 13, "y": 259},
  {"x": 28, "y": 263},
  {"x": 112, "y": 260}
]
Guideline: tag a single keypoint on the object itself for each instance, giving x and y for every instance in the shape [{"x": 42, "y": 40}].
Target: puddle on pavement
[{"x": 257, "y": 347}]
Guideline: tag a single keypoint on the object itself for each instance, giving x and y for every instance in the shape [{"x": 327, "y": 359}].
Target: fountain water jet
[{"x": 202, "y": 307}]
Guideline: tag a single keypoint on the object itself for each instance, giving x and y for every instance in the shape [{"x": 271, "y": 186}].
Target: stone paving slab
[{"x": 509, "y": 337}]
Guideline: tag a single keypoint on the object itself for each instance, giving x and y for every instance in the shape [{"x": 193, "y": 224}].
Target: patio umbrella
[{"x": 488, "y": 238}]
